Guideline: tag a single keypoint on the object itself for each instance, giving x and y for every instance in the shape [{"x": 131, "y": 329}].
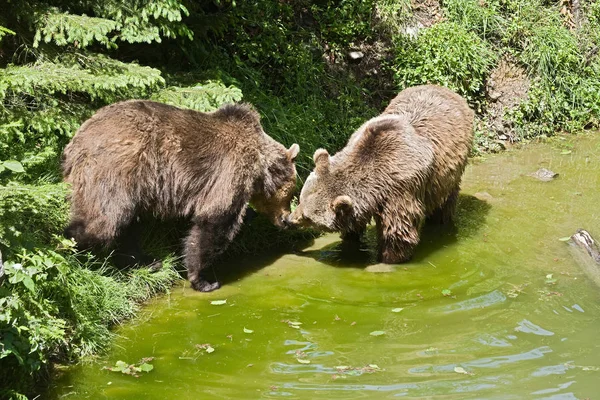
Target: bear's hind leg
[
  {"x": 129, "y": 252},
  {"x": 96, "y": 221},
  {"x": 445, "y": 213}
]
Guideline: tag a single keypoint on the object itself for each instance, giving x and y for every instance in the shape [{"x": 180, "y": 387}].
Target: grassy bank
[{"x": 314, "y": 70}]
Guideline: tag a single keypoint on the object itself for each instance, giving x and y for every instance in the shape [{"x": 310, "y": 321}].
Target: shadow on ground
[
  {"x": 257, "y": 245},
  {"x": 470, "y": 217}
]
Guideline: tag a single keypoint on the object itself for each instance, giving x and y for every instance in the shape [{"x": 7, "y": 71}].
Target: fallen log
[
  {"x": 590, "y": 263},
  {"x": 583, "y": 239}
]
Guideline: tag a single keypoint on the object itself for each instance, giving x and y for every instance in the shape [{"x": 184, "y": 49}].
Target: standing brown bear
[
  {"x": 139, "y": 157},
  {"x": 400, "y": 167}
]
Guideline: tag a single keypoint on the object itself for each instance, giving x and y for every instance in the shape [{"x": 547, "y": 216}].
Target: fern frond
[{"x": 79, "y": 30}]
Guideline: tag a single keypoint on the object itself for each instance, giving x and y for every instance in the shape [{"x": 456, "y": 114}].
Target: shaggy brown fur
[
  {"x": 142, "y": 156},
  {"x": 400, "y": 167}
]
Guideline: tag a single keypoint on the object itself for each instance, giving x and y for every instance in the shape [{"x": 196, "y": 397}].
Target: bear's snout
[
  {"x": 295, "y": 219},
  {"x": 282, "y": 221}
]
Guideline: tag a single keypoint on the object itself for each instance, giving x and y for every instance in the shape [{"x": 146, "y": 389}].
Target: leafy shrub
[
  {"x": 564, "y": 93},
  {"x": 30, "y": 215},
  {"x": 445, "y": 54},
  {"x": 393, "y": 14},
  {"x": 55, "y": 308}
]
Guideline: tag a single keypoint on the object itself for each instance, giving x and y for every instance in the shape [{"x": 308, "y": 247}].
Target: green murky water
[{"x": 503, "y": 332}]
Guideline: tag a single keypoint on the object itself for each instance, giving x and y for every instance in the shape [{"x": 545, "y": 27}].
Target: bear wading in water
[
  {"x": 142, "y": 157},
  {"x": 398, "y": 168}
]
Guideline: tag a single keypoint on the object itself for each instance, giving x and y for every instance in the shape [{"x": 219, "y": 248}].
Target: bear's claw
[{"x": 205, "y": 286}]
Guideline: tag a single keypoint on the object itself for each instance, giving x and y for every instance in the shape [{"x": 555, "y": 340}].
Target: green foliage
[
  {"x": 30, "y": 215},
  {"x": 552, "y": 53},
  {"x": 445, "y": 54},
  {"x": 132, "y": 22},
  {"x": 78, "y": 30},
  {"x": 524, "y": 18},
  {"x": 481, "y": 17},
  {"x": 4, "y": 32},
  {"x": 393, "y": 14},
  {"x": 55, "y": 307},
  {"x": 565, "y": 83},
  {"x": 345, "y": 21},
  {"x": 204, "y": 97}
]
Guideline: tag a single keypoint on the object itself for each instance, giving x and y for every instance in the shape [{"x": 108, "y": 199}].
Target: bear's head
[
  {"x": 279, "y": 186},
  {"x": 323, "y": 205}
]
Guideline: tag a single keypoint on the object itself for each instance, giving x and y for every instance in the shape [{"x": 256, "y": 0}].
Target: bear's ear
[
  {"x": 342, "y": 205},
  {"x": 321, "y": 158},
  {"x": 292, "y": 152}
]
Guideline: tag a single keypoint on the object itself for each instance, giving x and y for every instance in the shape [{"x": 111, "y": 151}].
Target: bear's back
[
  {"x": 446, "y": 120},
  {"x": 164, "y": 152}
]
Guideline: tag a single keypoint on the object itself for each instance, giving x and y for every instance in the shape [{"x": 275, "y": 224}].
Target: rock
[
  {"x": 413, "y": 31},
  {"x": 379, "y": 268},
  {"x": 495, "y": 95},
  {"x": 484, "y": 196},
  {"x": 544, "y": 175},
  {"x": 356, "y": 55}
]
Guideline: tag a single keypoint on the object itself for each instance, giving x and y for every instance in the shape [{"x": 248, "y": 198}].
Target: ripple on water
[
  {"x": 486, "y": 300},
  {"x": 527, "y": 326},
  {"x": 487, "y": 362}
]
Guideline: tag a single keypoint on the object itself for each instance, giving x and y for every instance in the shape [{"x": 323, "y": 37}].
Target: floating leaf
[
  {"x": 460, "y": 370},
  {"x": 377, "y": 333},
  {"x": 397, "y": 309},
  {"x": 209, "y": 349},
  {"x": 447, "y": 292},
  {"x": 248, "y": 330},
  {"x": 145, "y": 367},
  {"x": 565, "y": 239},
  {"x": 218, "y": 302},
  {"x": 303, "y": 361},
  {"x": 295, "y": 323},
  {"x": 132, "y": 369},
  {"x": 121, "y": 365}
]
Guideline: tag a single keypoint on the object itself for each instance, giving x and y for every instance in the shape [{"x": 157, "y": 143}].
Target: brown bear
[
  {"x": 398, "y": 168},
  {"x": 137, "y": 157}
]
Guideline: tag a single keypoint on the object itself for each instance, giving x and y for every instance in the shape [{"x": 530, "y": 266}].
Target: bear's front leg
[
  {"x": 198, "y": 249},
  {"x": 353, "y": 236},
  {"x": 208, "y": 237},
  {"x": 398, "y": 233},
  {"x": 205, "y": 241}
]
